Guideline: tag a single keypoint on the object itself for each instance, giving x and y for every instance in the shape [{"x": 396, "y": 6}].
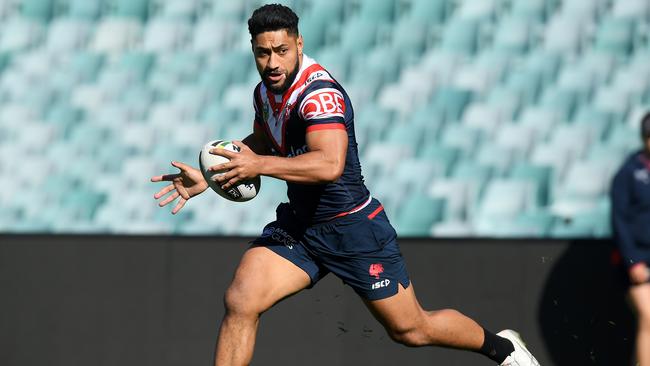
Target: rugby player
[
  {"x": 304, "y": 134},
  {"x": 630, "y": 195}
]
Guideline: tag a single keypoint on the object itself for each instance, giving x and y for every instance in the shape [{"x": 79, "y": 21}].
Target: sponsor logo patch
[{"x": 323, "y": 103}]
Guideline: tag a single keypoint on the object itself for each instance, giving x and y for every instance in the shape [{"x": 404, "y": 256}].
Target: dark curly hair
[{"x": 273, "y": 17}]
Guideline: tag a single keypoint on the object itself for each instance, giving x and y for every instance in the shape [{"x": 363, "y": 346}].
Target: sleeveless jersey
[{"x": 315, "y": 101}]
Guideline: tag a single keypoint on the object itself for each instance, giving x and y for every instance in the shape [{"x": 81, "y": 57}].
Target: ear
[{"x": 299, "y": 44}]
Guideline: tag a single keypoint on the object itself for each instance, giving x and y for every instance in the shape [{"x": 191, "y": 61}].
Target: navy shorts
[{"x": 360, "y": 248}]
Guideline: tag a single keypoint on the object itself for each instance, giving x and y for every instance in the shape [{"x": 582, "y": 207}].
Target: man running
[{"x": 304, "y": 134}]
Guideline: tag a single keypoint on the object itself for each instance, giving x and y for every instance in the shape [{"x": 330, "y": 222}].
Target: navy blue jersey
[
  {"x": 631, "y": 208},
  {"x": 315, "y": 101}
]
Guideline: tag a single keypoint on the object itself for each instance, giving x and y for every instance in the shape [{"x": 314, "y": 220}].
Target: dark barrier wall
[{"x": 113, "y": 300}]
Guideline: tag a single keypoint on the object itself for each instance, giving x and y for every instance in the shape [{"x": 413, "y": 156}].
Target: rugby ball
[{"x": 243, "y": 191}]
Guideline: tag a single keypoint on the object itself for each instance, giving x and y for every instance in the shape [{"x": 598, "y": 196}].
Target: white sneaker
[{"x": 521, "y": 356}]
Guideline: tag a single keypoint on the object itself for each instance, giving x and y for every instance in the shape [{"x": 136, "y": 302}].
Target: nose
[{"x": 274, "y": 61}]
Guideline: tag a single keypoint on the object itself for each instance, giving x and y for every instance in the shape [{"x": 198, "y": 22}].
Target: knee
[{"x": 240, "y": 303}]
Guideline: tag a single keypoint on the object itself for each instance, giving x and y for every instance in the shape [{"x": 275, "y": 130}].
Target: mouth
[{"x": 274, "y": 77}]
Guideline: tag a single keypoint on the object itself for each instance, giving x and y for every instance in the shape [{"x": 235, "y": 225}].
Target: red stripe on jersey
[
  {"x": 375, "y": 212},
  {"x": 326, "y": 126},
  {"x": 358, "y": 208}
]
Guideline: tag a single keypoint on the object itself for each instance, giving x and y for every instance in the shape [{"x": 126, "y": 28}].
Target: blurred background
[{"x": 491, "y": 118}]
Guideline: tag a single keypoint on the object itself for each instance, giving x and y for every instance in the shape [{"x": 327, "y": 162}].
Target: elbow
[{"x": 332, "y": 173}]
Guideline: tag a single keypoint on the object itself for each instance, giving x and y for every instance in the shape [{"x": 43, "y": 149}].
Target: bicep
[{"x": 332, "y": 143}]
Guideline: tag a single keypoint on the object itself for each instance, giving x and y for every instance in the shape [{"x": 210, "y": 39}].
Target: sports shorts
[{"x": 360, "y": 248}]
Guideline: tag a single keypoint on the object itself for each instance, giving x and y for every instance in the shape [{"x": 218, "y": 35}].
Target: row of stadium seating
[{"x": 490, "y": 118}]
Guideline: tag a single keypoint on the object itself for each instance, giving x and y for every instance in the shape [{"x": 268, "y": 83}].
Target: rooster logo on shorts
[{"x": 376, "y": 269}]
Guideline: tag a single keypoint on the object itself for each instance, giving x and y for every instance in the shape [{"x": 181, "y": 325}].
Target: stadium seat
[
  {"x": 19, "y": 34},
  {"x": 41, "y": 10},
  {"x": 540, "y": 176},
  {"x": 115, "y": 35},
  {"x": 136, "y": 9},
  {"x": 506, "y": 198},
  {"x": 615, "y": 36},
  {"x": 66, "y": 35},
  {"x": 417, "y": 216},
  {"x": 452, "y": 102},
  {"x": 513, "y": 35},
  {"x": 432, "y": 11},
  {"x": 377, "y": 10},
  {"x": 460, "y": 36}
]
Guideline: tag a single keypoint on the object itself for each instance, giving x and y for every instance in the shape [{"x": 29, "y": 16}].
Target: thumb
[{"x": 181, "y": 166}]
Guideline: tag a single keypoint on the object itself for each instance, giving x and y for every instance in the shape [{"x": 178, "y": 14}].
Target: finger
[
  {"x": 223, "y": 152},
  {"x": 227, "y": 176},
  {"x": 163, "y": 191},
  {"x": 170, "y": 198},
  {"x": 181, "y": 166},
  {"x": 164, "y": 177},
  {"x": 180, "y": 205},
  {"x": 230, "y": 183},
  {"x": 183, "y": 192},
  {"x": 221, "y": 168}
]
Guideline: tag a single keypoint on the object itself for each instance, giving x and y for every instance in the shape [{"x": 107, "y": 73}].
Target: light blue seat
[
  {"x": 137, "y": 64},
  {"x": 83, "y": 203},
  {"x": 410, "y": 38},
  {"x": 540, "y": 176},
  {"x": 495, "y": 156},
  {"x": 417, "y": 215},
  {"x": 432, "y": 11},
  {"x": 416, "y": 174},
  {"x": 138, "y": 9},
  {"x": 336, "y": 61},
  {"x": 460, "y": 36},
  {"x": 513, "y": 36},
  {"x": 451, "y": 101},
  {"x": 527, "y": 83},
  {"x": 561, "y": 100},
  {"x": 466, "y": 139},
  {"x": 568, "y": 231},
  {"x": 37, "y": 9},
  {"x": 615, "y": 35},
  {"x": 358, "y": 35},
  {"x": 378, "y": 10},
  {"x": 445, "y": 156},
  {"x": 506, "y": 198},
  {"x": 85, "y": 9},
  {"x": 87, "y": 65},
  {"x": 531, "y": 10}
]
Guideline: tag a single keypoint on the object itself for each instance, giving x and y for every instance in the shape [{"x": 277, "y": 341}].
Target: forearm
[{"x": 312, "y": 167}]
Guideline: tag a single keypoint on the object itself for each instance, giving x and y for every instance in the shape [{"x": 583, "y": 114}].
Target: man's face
[{"x": 278, "y": 56}]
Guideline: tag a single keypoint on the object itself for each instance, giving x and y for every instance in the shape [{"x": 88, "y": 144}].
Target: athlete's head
[
  {"x": 277, "y": 45},
  {"x": 645, "y": 132}
]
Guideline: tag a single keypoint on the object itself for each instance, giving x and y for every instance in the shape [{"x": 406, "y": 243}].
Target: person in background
[{"x": 631, "y": 223}]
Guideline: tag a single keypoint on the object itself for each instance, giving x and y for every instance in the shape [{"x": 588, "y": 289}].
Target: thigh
[
  {"x": 262, "y": 279},
  {"x": 400, "y": 311}
]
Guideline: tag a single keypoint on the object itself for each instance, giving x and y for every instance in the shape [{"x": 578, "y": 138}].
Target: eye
[{"x": 282, "y": 51}]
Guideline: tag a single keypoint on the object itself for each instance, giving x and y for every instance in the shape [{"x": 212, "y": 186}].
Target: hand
[
  {"x": 186, "y": 184},
  {"x": 243, "y": 165},
  {"x": 639, "y": 273}
]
